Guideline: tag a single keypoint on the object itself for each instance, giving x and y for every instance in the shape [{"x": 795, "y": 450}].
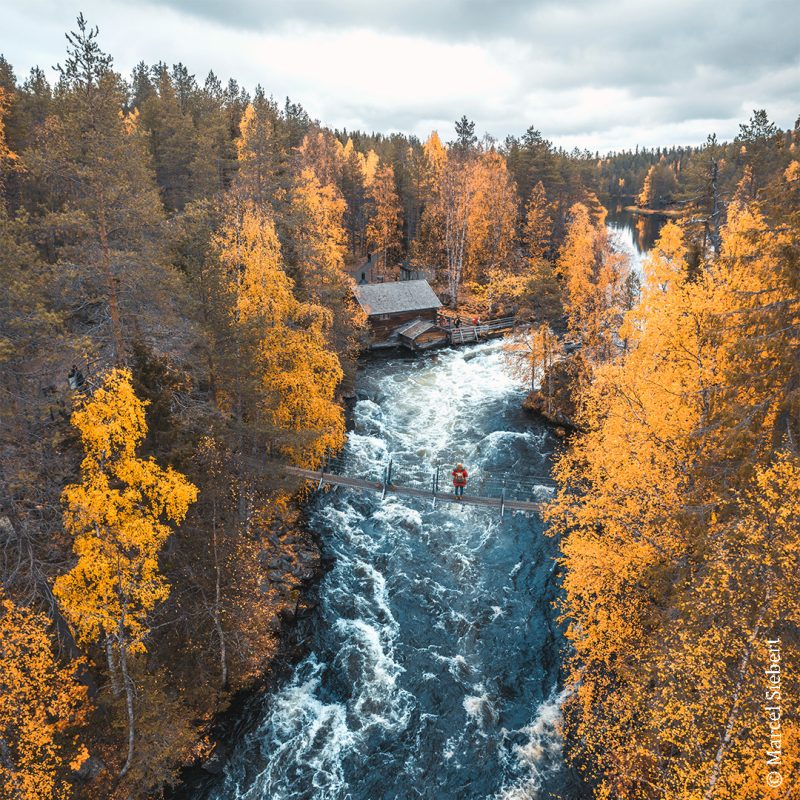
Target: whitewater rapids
[{"x": 433, "y": 655}]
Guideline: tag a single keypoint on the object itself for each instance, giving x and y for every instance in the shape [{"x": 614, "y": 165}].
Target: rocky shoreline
[{"x": 242, "y": 712}]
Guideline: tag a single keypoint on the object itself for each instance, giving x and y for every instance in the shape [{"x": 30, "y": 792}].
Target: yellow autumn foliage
[
  {"x": 384, "y": 229},
  {"x": 297, "y": 375},
  {"x": 680, "y": 516},
  {"x": 119, "y": 515},
  {"x": 5, "y": 104},
  {"x": 42, "y": 705}
]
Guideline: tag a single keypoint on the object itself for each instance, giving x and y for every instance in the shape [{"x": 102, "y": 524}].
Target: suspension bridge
[{"x": 486, "y": 490}]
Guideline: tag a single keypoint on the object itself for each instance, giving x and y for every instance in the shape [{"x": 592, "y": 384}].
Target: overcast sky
[{"x": 602, "y": 74}]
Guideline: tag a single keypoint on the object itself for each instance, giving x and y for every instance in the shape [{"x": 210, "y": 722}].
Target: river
[
  {"x": 633, "y": 234},
  {"x": 433, "y": 665},
  {"x": 433, "y": 654}
]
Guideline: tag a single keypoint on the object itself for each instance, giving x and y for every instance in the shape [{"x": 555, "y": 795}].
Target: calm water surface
[{"x": 633, "y": 234}]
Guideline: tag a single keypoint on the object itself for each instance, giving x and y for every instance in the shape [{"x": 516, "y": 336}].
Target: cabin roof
[
  {"x": 396, "y": 297},
  {"x": 416, "y": 328}
]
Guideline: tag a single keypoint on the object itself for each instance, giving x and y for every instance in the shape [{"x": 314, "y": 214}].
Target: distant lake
[{"x": 634, "y": 234}]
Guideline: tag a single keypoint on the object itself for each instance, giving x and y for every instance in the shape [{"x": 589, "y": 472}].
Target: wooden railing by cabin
[{"x": 469, "y": 332}]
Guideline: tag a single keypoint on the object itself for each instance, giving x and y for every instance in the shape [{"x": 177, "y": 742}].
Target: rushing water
[{"x": 434, "y": 654}]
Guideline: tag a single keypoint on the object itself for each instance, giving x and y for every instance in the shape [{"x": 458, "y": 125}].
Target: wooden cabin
[
  {"x": 412, "y": 272},
  {"x": 390, "y": 306}
]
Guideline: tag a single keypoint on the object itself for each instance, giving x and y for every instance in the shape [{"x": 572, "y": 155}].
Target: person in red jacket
[{"x": 459, "y": 479}]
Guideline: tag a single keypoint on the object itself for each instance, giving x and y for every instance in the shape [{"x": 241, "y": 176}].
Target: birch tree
[{"x": 119, "y": 515}]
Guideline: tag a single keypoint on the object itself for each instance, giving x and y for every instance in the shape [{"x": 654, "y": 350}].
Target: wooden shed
[
  {"x": 422, "y": 334},
  {"x": 390, "y": 306}
]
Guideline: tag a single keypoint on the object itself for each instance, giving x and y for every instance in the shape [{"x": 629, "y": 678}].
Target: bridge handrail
[{"x": 431, "y": 492}]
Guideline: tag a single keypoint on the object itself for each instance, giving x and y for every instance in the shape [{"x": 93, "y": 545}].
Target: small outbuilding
[
  {"x": 390, "y": 306},
  {"x": 422, "y": 334}
]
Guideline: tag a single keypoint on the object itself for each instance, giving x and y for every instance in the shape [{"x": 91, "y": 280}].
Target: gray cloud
[
  {"x": 445, "y": 19},
  {"x": 685, "y": 46},
  {"x": 602, "y": 73}
]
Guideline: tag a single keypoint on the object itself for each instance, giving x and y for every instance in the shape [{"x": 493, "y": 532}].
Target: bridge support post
[
  {"x": 387, "y": 478},
  {"x": 325, "y": 464}
]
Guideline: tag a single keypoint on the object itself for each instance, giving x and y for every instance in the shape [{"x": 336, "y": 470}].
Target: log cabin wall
[{"x": 384, "y": 325}]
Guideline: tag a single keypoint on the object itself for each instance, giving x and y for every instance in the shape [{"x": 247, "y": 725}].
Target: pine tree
[
  {"x": 324, "y": 155},
  {"x": 215, "y": 162},
  {"x": 659, "y": 186},
  {"x": 171, "y": 139},
  {"x": 538, "y": 229},
  {"x": 761, "y": 146},
  {"x": 94, "y": 159},
  {"x": 294, "y": 376},
  {"x": 465, "y": 135},
  {"x": 354, "y": 191},
  {"x": 260, "y": 149}
]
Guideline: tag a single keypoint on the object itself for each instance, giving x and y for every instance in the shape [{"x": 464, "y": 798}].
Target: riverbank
[
  {"x": 536, "y": 404},
  {"x": 238, "y": 716},
  {"x": 667, "y": 213}
]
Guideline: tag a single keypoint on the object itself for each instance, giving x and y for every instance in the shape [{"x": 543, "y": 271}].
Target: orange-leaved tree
[
  {"x": 680, "y": 514},
  {"x": 316, "y": 246},
  {"x": 577, "y": 263},
  {"x": 384, "y": 229},
  {"x": 596, "y": 283},
  {"x": 317, "y": 234},
  {"x": 492, "y": 218},
  {"x": 120, "y": 515},
  {"x": 295, "y": 375},
  {"x": 42, "y": 705}
]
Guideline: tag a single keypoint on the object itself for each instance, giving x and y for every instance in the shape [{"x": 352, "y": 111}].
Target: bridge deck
[{"x": 410, "y": 491}]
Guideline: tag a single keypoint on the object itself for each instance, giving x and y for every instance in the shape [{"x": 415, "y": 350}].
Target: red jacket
[{"x": 460, "y": 477}]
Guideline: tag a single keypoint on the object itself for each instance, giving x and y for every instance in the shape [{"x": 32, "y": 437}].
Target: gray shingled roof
[{"x": 396, "y": 297}]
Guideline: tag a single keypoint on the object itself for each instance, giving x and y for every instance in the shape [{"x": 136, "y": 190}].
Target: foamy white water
[
  {"x": 434, "y": 649},
  {"x": 624, "y": 241}
]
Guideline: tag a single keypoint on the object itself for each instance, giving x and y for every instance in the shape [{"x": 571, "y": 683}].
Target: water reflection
[{"x": 633, "y": 234}]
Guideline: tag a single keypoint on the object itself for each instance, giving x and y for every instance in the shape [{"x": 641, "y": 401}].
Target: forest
[{"x": 177, "y": 325}]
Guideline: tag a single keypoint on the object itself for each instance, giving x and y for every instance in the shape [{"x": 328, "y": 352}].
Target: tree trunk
[
  {"x": 223, "y": 658},
  {"x": 128, "y": 684},
  {"x": 733, "y": 713},
  {"x": 241, "y": 506},
  {"x": 112, "y": 667},
  {"x": 715, "y": 209},
  {"x": 105, "y": 250}
]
